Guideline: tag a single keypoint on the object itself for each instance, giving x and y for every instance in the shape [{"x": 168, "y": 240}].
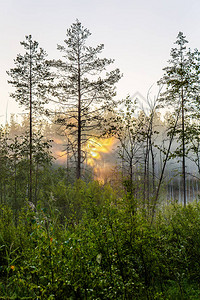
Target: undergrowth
[{"x": 86, "y": 242}]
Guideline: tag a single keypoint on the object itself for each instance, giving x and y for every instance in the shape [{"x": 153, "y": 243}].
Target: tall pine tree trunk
[
  {"x": 30, "y": 129},
  {"x": 183, "y": 148},
  {"x": 79, "y": 123}
]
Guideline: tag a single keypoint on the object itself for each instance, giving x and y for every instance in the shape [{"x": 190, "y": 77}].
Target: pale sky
[{"x": 138, "y": 34}]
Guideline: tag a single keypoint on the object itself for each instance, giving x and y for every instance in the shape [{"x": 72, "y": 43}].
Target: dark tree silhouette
[
  {"x": 30, "y": 77},
  {"x": 80, "y": 88}
]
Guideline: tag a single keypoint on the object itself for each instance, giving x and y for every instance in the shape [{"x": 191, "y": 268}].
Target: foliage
[
  {"x": 31, "y": 74},
  {"x": 15, "y": 165},
  {"x": 102, "y": 248}
]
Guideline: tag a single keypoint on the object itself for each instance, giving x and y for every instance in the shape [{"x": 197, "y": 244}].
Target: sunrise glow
[{"x": 96, "y": 147}]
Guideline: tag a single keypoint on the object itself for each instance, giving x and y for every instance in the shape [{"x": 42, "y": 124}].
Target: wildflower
[
  {"x": 12, "y": 267},
  {"x": 51, "y": 239}
]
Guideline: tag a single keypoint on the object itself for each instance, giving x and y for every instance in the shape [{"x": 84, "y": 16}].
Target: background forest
[{"x": 99, "y": 196}]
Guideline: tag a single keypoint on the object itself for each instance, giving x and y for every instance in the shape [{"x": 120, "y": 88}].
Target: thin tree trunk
[
  {"x": 30, "y": 120},
  {"x": 1, "y": 193},
  {"x": 179, "y": 189},
  {"x": 183, "y": 148},
  {"x": 189, "y": 188},
  {"x": 79, "y": 123},
  {"x": 172, "y": 189},
  {"x": 153, "y": 167},
  {"x": 163, "y": 169},
  {"x": 131, "y": 175},
  {"x": 193, "y": 191},
  {"x": 67, "y": 161},
  {"x": 123, "y": 173},
  {"x": 4, "y": 191},
  {"x": 15, "y": 182},
  {"x": 36, "y": 182},
  {"x": 148, "y": 180},
  {"x": 146, "y": 162}
]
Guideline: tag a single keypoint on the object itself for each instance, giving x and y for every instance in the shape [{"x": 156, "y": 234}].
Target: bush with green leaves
[{"x": 102, "y": 248}]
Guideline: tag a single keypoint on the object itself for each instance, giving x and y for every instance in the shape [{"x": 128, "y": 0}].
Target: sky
[{"x": 138, "y": 34}]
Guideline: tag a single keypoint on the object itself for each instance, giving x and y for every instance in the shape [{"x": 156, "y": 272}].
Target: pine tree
[
  {"x": 181, "y": 81},
  {"x": 30, "y": 78},
  {"x": 81, "y": 89}
]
